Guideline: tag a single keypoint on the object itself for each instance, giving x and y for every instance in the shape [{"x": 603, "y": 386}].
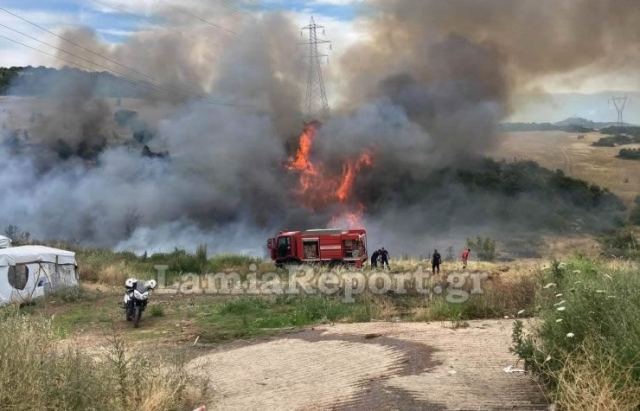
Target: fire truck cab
[{"x": 324, "y": 246}]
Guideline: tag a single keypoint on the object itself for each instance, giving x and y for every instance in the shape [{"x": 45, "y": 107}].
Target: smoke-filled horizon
[{"x": 423, "y": 97}]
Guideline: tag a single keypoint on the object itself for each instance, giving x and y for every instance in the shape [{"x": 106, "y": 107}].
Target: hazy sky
[
  {"x": 116, "y": 23},
  {"x": 115, "y": 20}
]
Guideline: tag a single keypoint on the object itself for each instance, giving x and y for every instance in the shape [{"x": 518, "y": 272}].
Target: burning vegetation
[{"x": 318, "y": 189}]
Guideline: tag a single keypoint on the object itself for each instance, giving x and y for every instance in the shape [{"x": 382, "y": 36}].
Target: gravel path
[{"x": 373, "y": 366}]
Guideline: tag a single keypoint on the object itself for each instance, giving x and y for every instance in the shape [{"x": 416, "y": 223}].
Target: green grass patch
[
  {"x": 156, "y": 310},
  {"x": 245, "y": 317},
  {"x": 80, "y": 316}
]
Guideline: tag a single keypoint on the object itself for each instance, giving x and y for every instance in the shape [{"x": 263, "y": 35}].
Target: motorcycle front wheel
[
  {"x": 137, "y": 313},
  {"x": 128, "y": 312}
]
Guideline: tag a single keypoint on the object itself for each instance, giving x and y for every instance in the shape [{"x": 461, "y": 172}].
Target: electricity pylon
[
  {"x": 619, "y": 103},
  {"x": 316, "y": 103}
]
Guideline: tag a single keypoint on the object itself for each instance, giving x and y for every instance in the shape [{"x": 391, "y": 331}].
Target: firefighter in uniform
[
  {"x": 436, "y": 259},
  {"x": 384, "y": 257},
  {"x": 374, "y": 259}
]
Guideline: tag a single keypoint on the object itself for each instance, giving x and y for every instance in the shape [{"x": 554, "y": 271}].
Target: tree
[
  {"x": 484, "y": 247},
  {"x": 17, "y": 236}
]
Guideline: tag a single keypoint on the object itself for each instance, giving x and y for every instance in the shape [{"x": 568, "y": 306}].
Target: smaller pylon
[{"x": 619, "y": 103}]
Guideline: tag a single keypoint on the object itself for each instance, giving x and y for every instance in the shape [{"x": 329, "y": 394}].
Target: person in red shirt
[{"x": 465, "y": 257}]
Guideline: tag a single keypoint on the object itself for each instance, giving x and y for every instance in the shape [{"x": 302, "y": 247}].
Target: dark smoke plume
[{"x": 425, "y": 94}]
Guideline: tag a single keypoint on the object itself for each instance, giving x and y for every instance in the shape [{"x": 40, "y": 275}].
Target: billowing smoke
[
  {"x": 76, "y": 174},
  {"x": 581, "y": 37},
  {"x": 430, "y": 85},
  {"x": 202, "y": 158}
]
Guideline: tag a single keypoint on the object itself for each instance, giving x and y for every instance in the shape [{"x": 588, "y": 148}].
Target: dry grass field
[
  {"x": 387, "y": 351},
  {"x": 382, "y": 351},
  {"x": 576, "y": 157}
]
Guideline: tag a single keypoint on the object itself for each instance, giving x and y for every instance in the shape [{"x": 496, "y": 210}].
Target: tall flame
[
  {"x": 318, "y": 190},
  {"x": 349, "y": 172},
  {"x": 302, "y": 161}
]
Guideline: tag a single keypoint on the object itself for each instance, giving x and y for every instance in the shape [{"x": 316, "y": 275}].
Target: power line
[
  {"x": 134, "y": 70},
  {"x": 134, "y": 82},
  {"x": 66, "y": 52},
  {"x": 150, "y": 78},
  {"x": 229, "y": 5},
  {"x": 195, "y": 16},
  {"x": 77, "y": 45},
  {"x": 88, "y": 69},
  {"x": 117, "y": 7},
  {"x": 181, "y": 10},
  {"x": 57, "y": 48}
]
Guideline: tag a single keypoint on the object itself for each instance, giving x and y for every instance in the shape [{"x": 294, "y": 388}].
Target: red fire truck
[{"x": 326, "y": 246}]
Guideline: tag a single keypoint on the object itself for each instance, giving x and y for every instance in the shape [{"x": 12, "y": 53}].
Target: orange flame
[
  {"x": 349, "y": 172},
  {"x": 317, "y": 190},
  {"x": 348, "y": 219},
  {"x": 302, "y": 162}
]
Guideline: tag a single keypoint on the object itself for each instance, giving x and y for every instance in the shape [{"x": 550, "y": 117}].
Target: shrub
[
  {"x": 586, "y": 346},
  {"x": 244, "y": 305},
  {"x": 629, "y": 154},
  {"x": 17, "y": 236},
  {"x": 618, "y": 135},
  {"x": 620, "y": 243},
  {"x": 612, "y": 141},
  {"x": 35, "y": 374},
  {"x": 201, "y": 253},
  {"x": 230, "y": 261},
  {"x": 622, "y": 131},
  {"x": 485, "y": 248},
  {"x": 181, "y": 262},
  {"x": 109, "y": 267},
  {"x": 156, "y": 311},
  {"x": 69, "y": 294},
  {"x": 596, "y": 382}
]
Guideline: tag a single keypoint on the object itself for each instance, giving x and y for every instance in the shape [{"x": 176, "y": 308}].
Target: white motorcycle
[{"x": 136, "y": 297}]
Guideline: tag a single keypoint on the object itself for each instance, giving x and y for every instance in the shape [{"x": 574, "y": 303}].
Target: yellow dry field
[{"x": 576, "y": 157}]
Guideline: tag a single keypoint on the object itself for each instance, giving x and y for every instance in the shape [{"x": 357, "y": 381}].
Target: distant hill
[
  {"x": 571, "y": 125},
  {"x": 577, "y": 121},
  {"x": 38, "y": 81},
  {"x": 583, "y": 122},
  {"x": 554, "y": 107}
]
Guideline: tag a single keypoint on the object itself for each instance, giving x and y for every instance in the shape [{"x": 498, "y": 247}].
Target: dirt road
[{"x": 373, "y": 366}]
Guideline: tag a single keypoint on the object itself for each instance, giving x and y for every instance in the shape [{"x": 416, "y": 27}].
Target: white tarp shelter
[
  {"x": 32, "y": 271},
  {"x": 5, "y": 242}
]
